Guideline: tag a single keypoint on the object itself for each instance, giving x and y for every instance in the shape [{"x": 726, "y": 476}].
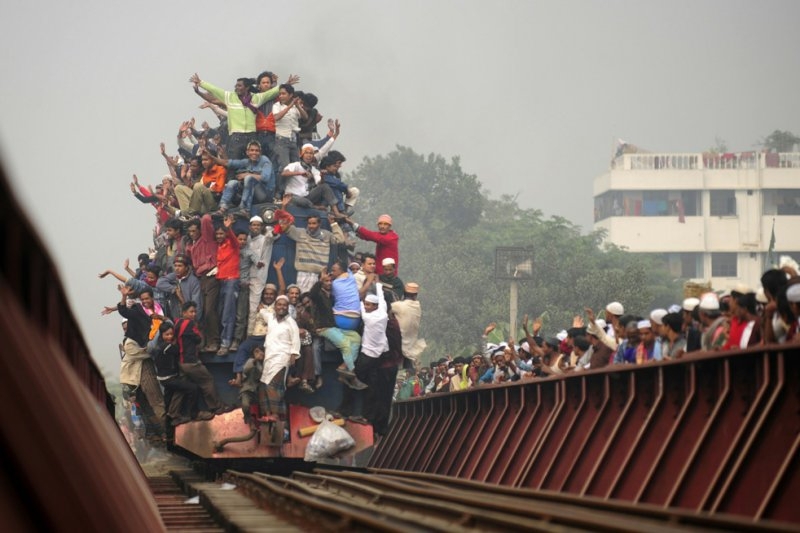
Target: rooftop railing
[{"x": 707, "y": 160}]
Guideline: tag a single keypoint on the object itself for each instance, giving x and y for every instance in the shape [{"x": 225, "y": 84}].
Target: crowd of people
[
  {"x": 714, "y": 321},
  {"x": 203, "y": 288}
]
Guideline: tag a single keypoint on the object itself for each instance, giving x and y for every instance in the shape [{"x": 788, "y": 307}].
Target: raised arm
[
  {"x": 213, "y": 89},
  {"x": 337, "y": 235},
  {"x": 369, "y": 281},
  {"x": 597, "y": 331},
  {"x": 171, "y": 164},
  {"x": 117, "y": 275},
  {"x": 218, "y": 160},
  {"x": 278, "y": 266},
  {"x": 537, "y": 325},
  {"x": 283, "y": 111}
]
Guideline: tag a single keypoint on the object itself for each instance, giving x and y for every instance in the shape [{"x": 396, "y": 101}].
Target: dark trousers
[
  {"x": 152, "y": 391},
  {"x": 387, "y": 378},
  {"x": 209, "y": 288},
  {"x": 242, "y": 310},
  {"x": 180, "y": 397},
  {"x": 198, "y": 374},
  {"x": 378, "y": 395},
  {"x": 304, "y": 366},
  {"x": 237, "y": 144}
]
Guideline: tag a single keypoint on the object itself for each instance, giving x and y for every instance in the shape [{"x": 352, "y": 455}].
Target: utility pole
[{"x": 513, "y": 263}]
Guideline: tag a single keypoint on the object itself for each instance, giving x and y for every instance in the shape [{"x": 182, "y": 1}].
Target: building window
[
  {"x": 691, "y": 265},
  {"x": 723, "y": 203},
  {"x": 691, "y": 203},
  {"x": 723, "y": 265},
  {"x": 776, "y": 257},
  {"x": 782, "y": 202},
  {"x": 686, "y": 265}
]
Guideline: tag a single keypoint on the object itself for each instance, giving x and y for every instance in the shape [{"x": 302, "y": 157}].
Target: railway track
[{"x": 382, "y": 500}]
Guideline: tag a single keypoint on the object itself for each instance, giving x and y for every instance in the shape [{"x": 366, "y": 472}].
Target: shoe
[
  {"x": 204, "y": 415},
  {"x": 180, "y": 420},
  {"x": 345, "y": 372},
  {"x": 234, "y": 346},
  {"x": 223, "y": 351},
  {"x": 357, "y": 384},
  {"x": 211, "y": 348}
]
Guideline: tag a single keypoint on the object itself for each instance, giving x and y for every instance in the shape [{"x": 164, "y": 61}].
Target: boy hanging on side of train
[{"x": 248, "y": 396}]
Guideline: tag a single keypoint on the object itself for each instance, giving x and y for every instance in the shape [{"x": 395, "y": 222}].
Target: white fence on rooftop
[{"x": 713, "y": 161}]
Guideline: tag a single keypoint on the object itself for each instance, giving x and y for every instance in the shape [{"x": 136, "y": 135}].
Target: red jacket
[
  {"x": 228, "y": 257},
  {"x": 385, "y": 246}
]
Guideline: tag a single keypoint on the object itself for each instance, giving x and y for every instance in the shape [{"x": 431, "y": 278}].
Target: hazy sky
[{"x": 531, "y": 96}]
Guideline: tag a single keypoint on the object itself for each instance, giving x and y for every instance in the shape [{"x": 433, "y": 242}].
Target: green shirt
[{"x": 240, "y": 118}]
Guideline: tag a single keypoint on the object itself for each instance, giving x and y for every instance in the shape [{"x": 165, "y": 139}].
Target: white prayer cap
[
  {"x": 371, "y": 298},
  {"x": 656, "y": 315},
  {"x": 741, "y": 288},
  {"x": 601, "y": 323},
  {"x": 615, "y": 308},
  {"x": 760, "y": 296},
  {"x": 674, "y": 308},
  {"x": 644, "y": 324},
  {"x": 257, "y": 219},
  {"x": 562, "y": 335},
  {"x": 690, "y": 303},
  {"x": 709, "y": 302},
  {"x": 793, "y": 293}
]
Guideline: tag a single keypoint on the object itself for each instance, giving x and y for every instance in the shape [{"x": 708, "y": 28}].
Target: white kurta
[
  {"x": 409, "y": 316},
  {"x": 283, "y": 340},
  {"x": 373, "y": 340}
]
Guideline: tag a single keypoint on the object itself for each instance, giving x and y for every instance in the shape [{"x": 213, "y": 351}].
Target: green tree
[
  {"x": 428, "y": 191},
  {"x": 780, "y": 141},
  {"x": 448, "y": 241}
]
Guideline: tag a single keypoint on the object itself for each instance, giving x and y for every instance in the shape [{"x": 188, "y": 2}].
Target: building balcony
[
  {"x": 699, "y": 171},
  {"x": 668, "y": 234},
  {"x": 711, "y": 161}
]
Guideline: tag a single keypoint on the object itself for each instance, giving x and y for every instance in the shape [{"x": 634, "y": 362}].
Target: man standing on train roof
[
  {"x": 385, "y": 239},
  {"x": 241, "y": 105}
]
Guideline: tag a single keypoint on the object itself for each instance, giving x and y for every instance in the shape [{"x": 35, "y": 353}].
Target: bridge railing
[{"x": 715, "y": 432}]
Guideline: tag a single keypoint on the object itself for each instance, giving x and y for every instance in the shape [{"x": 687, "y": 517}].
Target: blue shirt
[
  {"x": 338, "y": 187},
  {"x": 263, "y": 166}
]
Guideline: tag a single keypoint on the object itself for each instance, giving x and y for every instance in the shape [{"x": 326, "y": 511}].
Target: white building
[{"x": 709, "y": 215}]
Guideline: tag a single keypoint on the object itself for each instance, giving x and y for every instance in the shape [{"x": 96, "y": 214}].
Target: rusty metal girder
[{"x": 716, "y": 433}]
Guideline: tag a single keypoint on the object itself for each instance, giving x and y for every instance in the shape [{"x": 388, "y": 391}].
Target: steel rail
[
  {"x": 672, "y": 516},
  {"x": 399, "y": 499}
]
